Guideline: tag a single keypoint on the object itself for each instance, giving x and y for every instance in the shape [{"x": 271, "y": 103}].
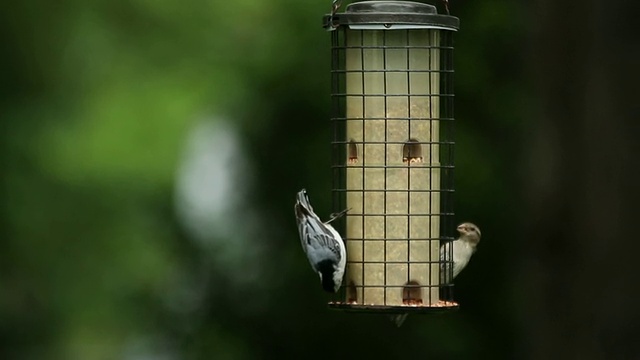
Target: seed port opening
[{"x": 412, "y": 152}]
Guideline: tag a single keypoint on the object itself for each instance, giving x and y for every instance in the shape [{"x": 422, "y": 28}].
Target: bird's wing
[
  {"x": 304, "y": 215},
  {"x": 445, "y": 265},
  {"x": 324, "y": 241},
  {"x": 318, "y": 237}
]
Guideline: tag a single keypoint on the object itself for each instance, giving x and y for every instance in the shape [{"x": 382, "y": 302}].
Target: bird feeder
[{"x": 392, "y": 153}]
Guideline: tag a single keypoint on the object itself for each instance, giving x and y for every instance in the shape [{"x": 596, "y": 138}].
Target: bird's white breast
[{"x": 462, "y": 252}]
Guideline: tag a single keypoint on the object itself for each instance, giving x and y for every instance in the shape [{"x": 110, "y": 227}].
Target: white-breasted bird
[
  {"x": 461, "y": 249},
  {"x": 322, "y": 243}
]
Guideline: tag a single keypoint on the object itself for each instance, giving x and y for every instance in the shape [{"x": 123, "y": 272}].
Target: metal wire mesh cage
[{"x": 392, "y": 153}]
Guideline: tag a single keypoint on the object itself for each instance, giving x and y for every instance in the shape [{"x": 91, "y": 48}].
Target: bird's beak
[{"x": 460, "y": 229}]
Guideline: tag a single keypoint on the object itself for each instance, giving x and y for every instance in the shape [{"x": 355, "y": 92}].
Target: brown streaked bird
[{"x": 461, "y": 249}]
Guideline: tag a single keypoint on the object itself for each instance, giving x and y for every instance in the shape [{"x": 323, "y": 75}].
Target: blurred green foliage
[{"x": 98, "y": 98}]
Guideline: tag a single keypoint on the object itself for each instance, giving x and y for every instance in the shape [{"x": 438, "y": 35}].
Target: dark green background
[{"x": 98, "y": 99}]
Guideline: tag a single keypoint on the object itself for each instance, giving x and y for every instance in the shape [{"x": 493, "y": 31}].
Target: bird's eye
[{"x": 472, "y": 229}]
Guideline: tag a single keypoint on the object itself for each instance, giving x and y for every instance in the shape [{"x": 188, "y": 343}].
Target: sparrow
[
  {"x": 321, "y": 243},
  {"x": 461, "y": 249}
]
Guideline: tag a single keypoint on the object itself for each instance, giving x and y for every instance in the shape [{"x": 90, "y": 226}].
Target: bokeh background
[{"x": 150, "y": 153}]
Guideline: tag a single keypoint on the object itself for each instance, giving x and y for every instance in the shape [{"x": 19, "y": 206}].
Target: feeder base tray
[{"x": 439, "y": 307}]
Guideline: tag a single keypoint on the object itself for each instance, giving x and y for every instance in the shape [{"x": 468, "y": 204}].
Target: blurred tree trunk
[{"x": 582, "y": 236}]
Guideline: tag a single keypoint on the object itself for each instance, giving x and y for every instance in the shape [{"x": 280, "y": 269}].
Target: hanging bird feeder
[{"x": 392, "y": 151}]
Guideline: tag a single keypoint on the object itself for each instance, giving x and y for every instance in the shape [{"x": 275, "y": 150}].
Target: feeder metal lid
[{"x": 393, "y": 15}]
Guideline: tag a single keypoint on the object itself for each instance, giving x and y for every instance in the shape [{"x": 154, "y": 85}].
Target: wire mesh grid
[{"x": 392, "y": 164}]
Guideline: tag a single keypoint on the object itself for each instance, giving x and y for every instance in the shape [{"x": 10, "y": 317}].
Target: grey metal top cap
[
  {"x": 392, "y": 14},
  {"x": 396, "y": 7}
]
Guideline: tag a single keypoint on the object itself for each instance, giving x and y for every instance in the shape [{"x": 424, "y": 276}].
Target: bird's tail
[
  {"x": 399, "y": 319},
  {"x": 303, "y": 206}
]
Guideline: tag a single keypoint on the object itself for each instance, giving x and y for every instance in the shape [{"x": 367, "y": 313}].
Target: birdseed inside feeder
[{"x": 392, "y": 150}]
